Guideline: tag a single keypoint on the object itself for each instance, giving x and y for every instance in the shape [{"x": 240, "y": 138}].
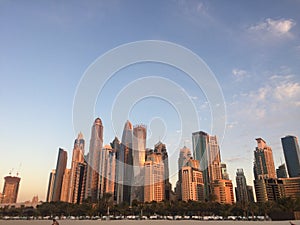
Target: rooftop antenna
[
  {"x": 11, "y": 171},
  {"x": 19, "y": 169}
]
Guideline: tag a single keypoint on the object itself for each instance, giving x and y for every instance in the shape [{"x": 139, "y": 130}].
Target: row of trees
[{"x": 281, "y": 209}]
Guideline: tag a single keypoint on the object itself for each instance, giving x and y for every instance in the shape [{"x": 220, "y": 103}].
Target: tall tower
[
  {"x": 265, "y": 182},
  {"x": 96, "y": 144},
  {"x": 78, "y": 163},
  {"x": 50, "y": 186},
  {"x": 207, "y": 151},
  {"x": 139, "y": 156},
  {"x": 161, "y": 148},
  {"x": 65, "y": 188},
  {"x": 154, "y": 187},
  {"x": 263, "y": 161},
  {"x": 118, "y": 194},
  {"x": 59, "y": 174},
  {"x": 11, "y": 189},
  {"x": 127, "y": 160},
  {"x": 107, "y": 170},
  {"x": 241, "y": 191},
  {"x": 184, "y": 156},
  {"x": 292, "y": 155}
]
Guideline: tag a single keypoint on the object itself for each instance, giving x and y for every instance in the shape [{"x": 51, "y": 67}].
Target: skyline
[{"x": 46, "y": 47}]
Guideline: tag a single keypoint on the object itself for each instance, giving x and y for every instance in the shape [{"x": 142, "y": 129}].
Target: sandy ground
[{"x": 147, "y": 222}]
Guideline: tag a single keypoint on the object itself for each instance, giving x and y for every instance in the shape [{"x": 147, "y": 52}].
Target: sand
[{"x": 144, "y": 222}]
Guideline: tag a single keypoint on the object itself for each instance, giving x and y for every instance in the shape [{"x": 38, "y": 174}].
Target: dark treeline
[{"x": 281, "y": 209}]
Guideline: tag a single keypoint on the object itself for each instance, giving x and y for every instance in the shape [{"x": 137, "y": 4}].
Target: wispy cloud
[{"x": 239, "y": 74}]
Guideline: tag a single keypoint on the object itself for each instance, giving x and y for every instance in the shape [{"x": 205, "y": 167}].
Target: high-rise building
[
  {"x": 107, "y": 170},
  {"x": 184, "y": 156},
  {"x": 223, "y": 191},
  {"x": 139, "y": 157},
  {"x": 10, "y": 189},
  {"x": 242, "y": 190},
  {"x": 263, "y": 161},
  {"x": 77, "y": 166},
  {"x": 206, "y": 150},
  {"x": 59, "y": 174},
  {"x": 160, "y": 148},
  {"x": 281, "y": 171},
  {"x": 96, "y": 144},
  {"x": 118, "y": 194},
  {"x": 65, "y": 188},
  {"x": 225, "y": 175},
  {"x": 79, "y": 183},
  {"x": 191, "y": 180},
  {"x": 154, "y": 187},
  {"x": 292, "y": 155},
  {"x": 126, "y": 165},
  {"x": 50, "y": 186},
  {"x": 265, "y": 183}
]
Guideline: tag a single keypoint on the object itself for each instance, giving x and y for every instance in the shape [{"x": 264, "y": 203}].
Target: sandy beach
[{"x": 147, "y": 222}]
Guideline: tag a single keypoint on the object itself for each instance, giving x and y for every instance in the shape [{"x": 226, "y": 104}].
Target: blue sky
[{"x": 252, "y": 47}]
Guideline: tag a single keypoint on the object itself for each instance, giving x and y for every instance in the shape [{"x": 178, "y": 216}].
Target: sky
[{"x": 252, "y": 48}]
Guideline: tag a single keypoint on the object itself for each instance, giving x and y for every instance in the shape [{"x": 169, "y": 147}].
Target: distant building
[
  {"x": 206, "y": 150},
  {"x": 50, "y": 186},
  {"x": 191, "y": 180},
  {"x": 65, "y": 188},
  {"x": 96, "y": 144},
  {"x": 292, "y": 155},
  {"x": 225, "y": 175},
  {"x": 139, "y": 156},
  {"x": 242, "y": 191},
  {"x": 160, "y": 148},
  {"x": 223, "y": 191},
  {"x": 264, "y": 167},
  {"x": 154, "y": 187},
  {"x": 107, "y": 170},
  {"x": 281, "y": 171},
  {"x": 59, "y": 175},
  {"x": 11, "y": 189},
  {"x": 125, "y": 165},
  {"x": 78, "y": 171}
]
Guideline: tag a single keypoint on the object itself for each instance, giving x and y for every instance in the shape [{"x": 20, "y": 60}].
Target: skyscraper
[
  {"x": 50, "y": 186},
  {"x": 241, "y": 190},
  {"x": 292, "y": 155},
  {"x": 10, "y": 189},
  {"x": 281, "y": 171},
  {"x": 160, "y": 148},
  {"x": 59, "y": 174},
  {"x": 263, "y": 161},
  {"x": 127, "y": 160},
  {"x": 65, "y": 188},
  {"x": 96, "y": 144},
  {"x": 266, "y": 185},
  {"x": 191, "y": 180},
  {"x": 154, "y": 187},
  {"x": 107, "y": 170},
  {"x": 76, "y": 165},
  {"x": 184, "y": 156},
  {"x": 118, "y": 194},
  {"x": 225, "y": 175},
  {"x": 206, "y": 150},
  {"x": 139, "y": 156}
]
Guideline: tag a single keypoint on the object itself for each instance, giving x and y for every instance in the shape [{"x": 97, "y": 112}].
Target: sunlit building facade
[
  {"x": 223, "y": 191},
  {"x": 10, "y": 189}
]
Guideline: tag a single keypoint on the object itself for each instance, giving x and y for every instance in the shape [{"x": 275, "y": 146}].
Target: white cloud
[
  {"x": 272, "y": 28},
  {"x": 287, "y": 91},
  {"x": 239, "y": 74}
]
